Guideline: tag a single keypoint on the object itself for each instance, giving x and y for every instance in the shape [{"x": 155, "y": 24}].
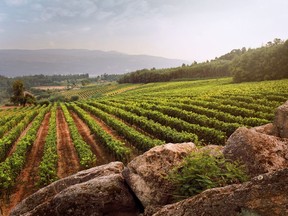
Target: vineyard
[
  {"x": 98, "y": 90},
  {"x": 40, "y": 144}
]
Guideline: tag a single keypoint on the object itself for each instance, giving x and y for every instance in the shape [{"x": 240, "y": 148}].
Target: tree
[
  {"x": 18, "y": 92},
  {"x": 265, "y": 63},
  {"x": 28, "y": 98},
  {"x": 21, "y": 97}
]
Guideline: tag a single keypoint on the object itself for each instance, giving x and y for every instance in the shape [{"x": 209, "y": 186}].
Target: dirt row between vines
[
  {"x": 28, "y": 178},
  {"x": 115, "y": 135},
  {"x": 68, "y": 161},
  {"x": 101, "y": 154},
  {"x": 13, "y": 148}
]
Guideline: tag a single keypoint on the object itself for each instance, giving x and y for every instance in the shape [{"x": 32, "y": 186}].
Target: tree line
[
  {"x": 215, "y": 68},
  {"x": 41, "y": 80},
  {"x": 268, "y": 62}
]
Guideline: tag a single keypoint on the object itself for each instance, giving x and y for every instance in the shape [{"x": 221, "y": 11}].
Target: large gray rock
[
  {"x": 261, "y": 153},
  {"x": 281, "y": 121},
  {"x": 97, "y": 191},
  {"x": 146, "y": 174},
  {"x": 264, "y": 195}
]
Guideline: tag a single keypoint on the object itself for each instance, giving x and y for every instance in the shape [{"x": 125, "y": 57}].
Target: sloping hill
[{"x": 57, "y": 61}]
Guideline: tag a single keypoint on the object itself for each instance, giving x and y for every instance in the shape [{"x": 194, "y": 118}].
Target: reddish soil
[
  {"x": 102, "y": 155},
  {"x": 68, "y": 161},
  {"x": 135, "y": 151},
  {"x": 26, "y": 182},
  {"x": 13, "y": 148},
  {"x": 112, "y": 133},
  {"x": 134, "y": 127}
]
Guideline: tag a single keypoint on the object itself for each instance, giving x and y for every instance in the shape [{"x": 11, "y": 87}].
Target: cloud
[
  {"x": 112, "y": 10},
  {"x": 52, "y": 44},
  {"x": 2, "y": 17},
  {"x": 16, "y": 2},
  {"x": 64, "y": 9},
  {"x": 23, "y": 21},
  {"x": 85, "y": 29},
  {"x": 37, "y": 7},
  {"x": 58, "y": 34}
]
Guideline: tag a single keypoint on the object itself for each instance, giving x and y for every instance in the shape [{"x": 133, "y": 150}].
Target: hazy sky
[{"x": 184, "y": 29}]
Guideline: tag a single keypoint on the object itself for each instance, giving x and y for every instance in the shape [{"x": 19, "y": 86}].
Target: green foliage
[
  {"x": 94, "y": 91},
  {"x": 265, "y": 63},
  {"x": 16, "y": 125},
  {"x": 18, "y": 92},
  {"x": 207, "y": 135},
  {"x": 48, "y": 165},
  {"x": 116, "y": 147},
  {"x": 215, "y": 68},
  {"x": 74, "y": 98},
  {"x": 201, "y": 171},
  {"x": 43, "y": 102},
  {"x": 157, "y": 130},
  {"x": 19, "y": 96},
  {"x": 58, "y": 98},
  {"x": 12, "y": 165},
  {"x": 86, "y": 156},
  {"x": 140, "y": 141},
  {"x": 247, "y": 212}
]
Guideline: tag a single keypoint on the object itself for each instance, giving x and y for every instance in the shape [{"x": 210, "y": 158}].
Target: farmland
[
  {"x": 99, "y": 90},
  {"x": 40, "y": 144}
]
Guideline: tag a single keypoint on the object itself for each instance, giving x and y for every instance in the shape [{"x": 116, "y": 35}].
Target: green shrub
[
  {"x": 247, "y": 212},
  {"x": 74, "y": 98},
  {"x": 200, "y": 171}
]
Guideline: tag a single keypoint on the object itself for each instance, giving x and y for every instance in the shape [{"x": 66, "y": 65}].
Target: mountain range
[{"x": 77, "y": 61}]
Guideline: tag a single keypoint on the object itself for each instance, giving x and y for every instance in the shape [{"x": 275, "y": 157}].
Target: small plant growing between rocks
[
  {"x": 247, "y": 212},
  {"x": 201, "y": 170}
]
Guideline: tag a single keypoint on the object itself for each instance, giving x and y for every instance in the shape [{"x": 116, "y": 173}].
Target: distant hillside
[
  {"x": 56, "y": 61},
  {"x": 268, "y": 62}
]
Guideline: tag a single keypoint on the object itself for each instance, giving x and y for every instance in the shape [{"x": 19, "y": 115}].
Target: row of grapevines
[
  {"x": 90, "y": 91},
  {"x": 48, "y": 165},
  {"x": 116, "y": 147},
  {"x": 7, "y": 141},
  {"x": 136, "y": 138},
  {"x": 207, "y": 135},
  {"x": 12, "y": 166},
  {"x": 194, "y": 118},
  {"x": 161, "y": 132},
  {"x": 6, "y": 117},
  {"x": 10, "y": 124},
  {"x": 278, "y": 98},
  {"x": 234, "y": 110},
  {"x": 181, "y": 104},
  {"x": 218, "y": 114},
  {"x": 251, "y": 105},
  {"x": 248, "y": 100},
  {"x": 186, "y": 104},
  {"x": 86, "y": 156}
]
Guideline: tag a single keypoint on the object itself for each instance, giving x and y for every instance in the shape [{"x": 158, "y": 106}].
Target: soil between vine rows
[
  {"x": 102, "y": 155},
  {"x": 27, "y": 180},
  {"x": 68, "y": 161},
  {"x": 13, "y": 148},
  {"x": 114, "y": 134}
]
